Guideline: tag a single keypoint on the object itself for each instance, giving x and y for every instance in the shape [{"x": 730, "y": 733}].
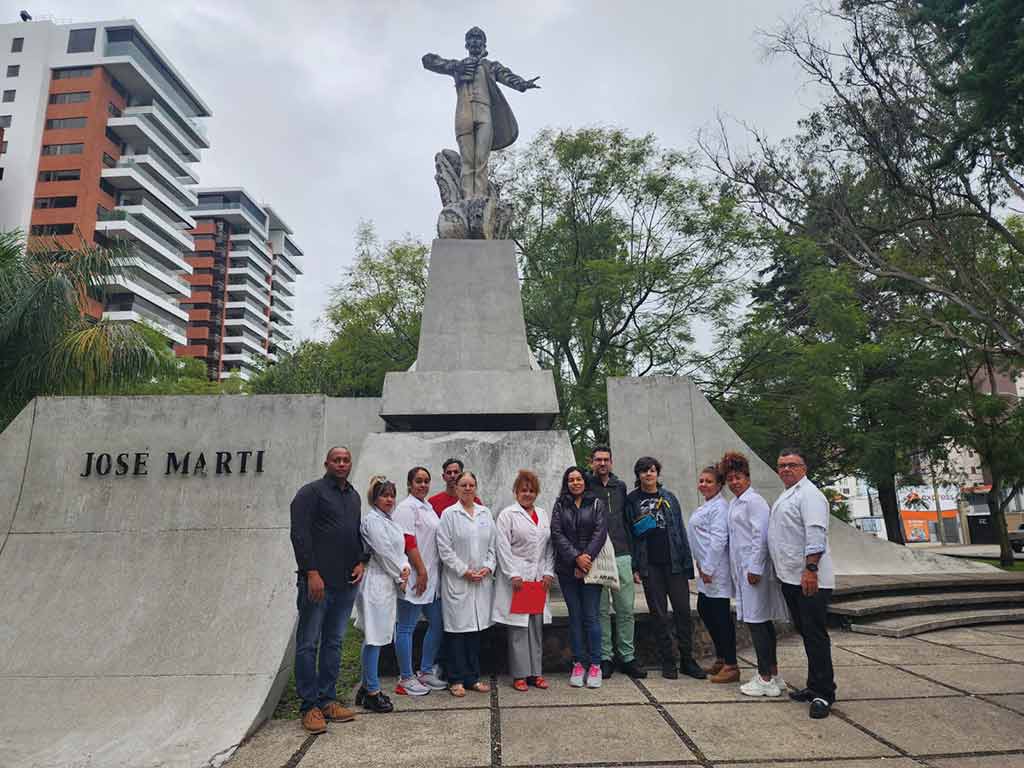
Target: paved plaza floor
[{"x": 947, "y": 699}]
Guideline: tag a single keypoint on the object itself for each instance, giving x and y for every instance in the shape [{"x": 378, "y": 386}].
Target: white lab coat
[
  {"x": 376, "y": 605},
  {"x": 524, "y": 550},
  {"x": 417, "y": 518},
  {"x": 799, "y": 509},
  {"x": 466, "y": 543},
  {"x": 708, "y": 534},
  {"x": 748, "y": 553}
]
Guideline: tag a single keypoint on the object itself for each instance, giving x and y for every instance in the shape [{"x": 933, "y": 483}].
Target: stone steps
[
  {"x": 905, "y": 603},
  {"x": 905, "y": 625}
]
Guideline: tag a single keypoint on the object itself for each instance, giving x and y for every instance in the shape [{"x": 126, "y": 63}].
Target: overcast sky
[{"x": 323, "y": 109}]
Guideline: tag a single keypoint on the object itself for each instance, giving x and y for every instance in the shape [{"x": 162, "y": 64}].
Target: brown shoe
[
  {"x": 715, "y": 668},
  {"x": 335, "y": 713},
  {"x": 726, "y": 675},
  {"x": 313, "y": 721}
]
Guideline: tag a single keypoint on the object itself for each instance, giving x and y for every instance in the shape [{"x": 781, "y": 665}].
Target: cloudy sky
[{"x": 323, "y": 109}]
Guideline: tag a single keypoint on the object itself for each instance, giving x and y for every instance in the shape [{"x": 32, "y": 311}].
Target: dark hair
[
  {"x": 380, "y": 486},
  {"x": 334, "y": 448},
  {"x": 600, "y": 447},
  {"x": 734, "y": 462},
  {"x": 448, "y": 462},
  {"x": 411, "y": 475},
  {"x": 792, "y": 450},
  {"x": 715, "y": 472},
  {"x": 564, "y": 493},
  {"x": 642, "y": 465},
  {"x": 525, "y": 477}
]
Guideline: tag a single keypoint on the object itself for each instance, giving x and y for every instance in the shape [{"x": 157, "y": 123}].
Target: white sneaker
[
  {"x": 576, "y": 678},
  {"x": 410, "y": 686},
  {"x": 594, "y": 676},
  {"x": 432, "y": 681},
  {"x": 758, "y": 687},
  {"x": 779, "y": 683}
]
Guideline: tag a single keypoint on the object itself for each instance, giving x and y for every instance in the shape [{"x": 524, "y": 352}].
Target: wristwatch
[{"x": 812, "y": 567}]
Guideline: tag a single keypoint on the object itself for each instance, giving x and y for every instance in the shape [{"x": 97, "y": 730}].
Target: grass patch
[
  {"x": 1017, "y": 566},
  {"x": 351, "y": 672}
]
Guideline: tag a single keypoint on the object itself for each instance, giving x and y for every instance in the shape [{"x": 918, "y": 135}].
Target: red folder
[{"x": 530, "y": 599}]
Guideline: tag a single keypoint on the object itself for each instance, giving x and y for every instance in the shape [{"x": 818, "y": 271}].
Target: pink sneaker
[
  {"x": 594, "y": 676},
  {"x": 576, "y": 678}
]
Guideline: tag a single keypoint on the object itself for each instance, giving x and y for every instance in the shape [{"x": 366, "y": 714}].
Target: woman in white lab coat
[
  {"x": 384, "y": 579},
  {"x": 759, "y": 601},
  {"x": 525, "y": 554},
  {"x": 465, "y": 542},
  {"x": 708, "y": 534}
]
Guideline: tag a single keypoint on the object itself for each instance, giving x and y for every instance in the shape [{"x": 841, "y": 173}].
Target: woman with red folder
[{"x": 526, "y": 570}]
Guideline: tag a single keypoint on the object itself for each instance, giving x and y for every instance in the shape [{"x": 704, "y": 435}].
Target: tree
[
  {"x": 622, "y": 250},
  {"x": 49, "y": 342}
]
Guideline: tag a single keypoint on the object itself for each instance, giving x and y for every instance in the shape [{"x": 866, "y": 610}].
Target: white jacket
[
  {"x": 417, "y": 518},
  {"x": 376, "y": 606},
  {"x": 466, "y": 543},
  {"x": 748, "y": 553},
  {"x": 524, "y": 549},
  {"x": 708, "y": 534}
]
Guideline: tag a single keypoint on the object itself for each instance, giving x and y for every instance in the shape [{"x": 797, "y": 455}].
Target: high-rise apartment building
[
  {"x": 243, "y": 283},
  {"x": 100, "y": 136}
]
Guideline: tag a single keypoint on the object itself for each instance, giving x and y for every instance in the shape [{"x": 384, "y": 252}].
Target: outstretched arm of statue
[
  {"x": 442, "y": 66},
  {"x": 506, "y": 76}
]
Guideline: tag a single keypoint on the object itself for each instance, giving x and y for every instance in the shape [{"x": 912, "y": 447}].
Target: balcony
[
  {"x": 172, "y": 332},
  {"x": 285, "y": 301},
  {"x": 166, "y": 306},
  {"x": 168, "y": 127},
  {"x": 282, "y": 287},
  {"x": 234, "y": 213},
  {"x": 280, "y": 315},
  {"x": 144, "y": 137},
  {"x": 137, "y": 72},
  {"x": 243, "y": 373},
  {"x": 290, "y": 262},
  {"x": 170, "y": 282},
  {"x": 257, "y": 347},
  {"x": 282, "y": 266},
  {"x": 155, "y": 167},
  {"x": 241, "y": 322},
  {"x": 135, "y": 230},
  {"x": 247, "y": 290},
  {"x": 128, "y": 177},
  {"x": 282, "y": 331}
]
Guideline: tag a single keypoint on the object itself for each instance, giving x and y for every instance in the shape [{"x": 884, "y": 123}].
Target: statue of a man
[{"x": 483, "y": 119}]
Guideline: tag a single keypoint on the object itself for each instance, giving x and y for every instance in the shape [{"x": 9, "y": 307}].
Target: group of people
[{"x": 448, "y": 559}]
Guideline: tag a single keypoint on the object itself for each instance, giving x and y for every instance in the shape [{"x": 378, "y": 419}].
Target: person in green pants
[{"x": 608, "y": 487}]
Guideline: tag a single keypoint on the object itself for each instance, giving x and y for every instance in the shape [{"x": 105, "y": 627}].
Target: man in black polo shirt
[{"x": 330, "y": 557}]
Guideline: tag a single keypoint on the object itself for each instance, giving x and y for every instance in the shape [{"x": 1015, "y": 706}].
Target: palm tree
[{"x": 49, "y": 342}]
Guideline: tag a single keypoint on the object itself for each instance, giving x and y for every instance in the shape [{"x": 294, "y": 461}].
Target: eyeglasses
[{"x": 790, "y": 465}]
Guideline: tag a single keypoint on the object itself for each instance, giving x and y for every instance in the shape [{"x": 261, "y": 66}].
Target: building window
[
  {"x": 71, "y": 73},
  {"x": 3, "y": 147},
  {"x": 63, "y": 149},
  {"x": 109, "y": 161},
  {"x": 13, "y": 70},
  {"x": 71, "y": 174},
  {"x": 5, "y": 121},
  {"x": 107, "y": 188},
  {"x": 17, "y": 44},
  {"x": 52, "y": 229},
  {"x": 113, "y": 110},
  {"x": 75, "y": 97},
  {"x": 64, "y": 201},
  {"x": 1, "y": 174},
  {"x": 81, "y": 40},
  {"x": 57, "y": 123},
  {"x": 9, "y": 96}
]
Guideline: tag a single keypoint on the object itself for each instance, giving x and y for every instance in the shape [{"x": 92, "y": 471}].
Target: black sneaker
[
  {"x": 607, "y": 668},
  {"x": 360, "y": 695},
  {"x": 803, "y": 695},
  {"x": 668, "y": 671},
  {"x": 691, "y": 668},
  {"x": 633, "y": 669},
  {"x": 378, "y": 702},
  {"x": 820, "y": 709}
]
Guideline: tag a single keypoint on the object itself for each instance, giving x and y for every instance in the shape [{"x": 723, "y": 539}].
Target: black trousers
[
  {"x": 463, "y": 657},
  {"x": 717, "y": 617},
  {"x": 661, "y": 586},
  {"x": 765, "y": 646},
  {"x": 809, "y": 618}
]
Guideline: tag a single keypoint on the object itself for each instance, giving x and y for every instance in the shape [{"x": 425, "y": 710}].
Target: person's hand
[
  {"x": 809, "y": 583},
  {"x": 753, "y": 579},
  {"x": 517, "y": 583},
  {"x": 357, "y": 573},
  {"x": 705, "y": 578},
  {"x": 471, "y": 575},
  {"x": 583, "y": 562},
  {"x": 578, "y": 573},
  {"x": 531, "y": 83},
  {"x": 548, "y": 581},
  {"x": 484, "y": 572},
  {"x": 421, "y": 583},
  {"x": 314, "y": 586},
  {"x": 636, "y": 577}
]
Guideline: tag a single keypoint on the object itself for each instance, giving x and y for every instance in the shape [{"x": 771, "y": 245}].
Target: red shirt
[{"x": 441, "y": 501}]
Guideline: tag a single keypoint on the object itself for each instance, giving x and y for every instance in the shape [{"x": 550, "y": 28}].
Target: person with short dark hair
[
  {"x": 451, "y": 469},
  {"x": 798, "y": 542},
  {"x": 330, "y": 559},
  {"x": 708, "y": 533},
  {"x": 579, "y": 528},
  {"x": 759, "y": 600},
  {"x": 661, "y": 557},
  {"x": 387, "y": 576},
  {"x": 612, "y": 491}
]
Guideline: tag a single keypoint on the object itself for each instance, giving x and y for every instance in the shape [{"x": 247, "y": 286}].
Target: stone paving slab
[
  {"x": 882, "y": 683},
  {"x": 791, "y": 655},
  {"x": 576, "y": 736},
  {"x": 774, "y": 731},
  {"x": 875, "y": 762},
  {"x": 619, "y": 690},
  {"x": 1014, "y": 701},
  {"x": 458, "y": 740},
  {"x": 854, "y": 640},
  {"x": 686, "y": 689},
  {"x": 964, "y": 636},
  {"x": 975, "y": 678},
  {"x": 275, "y": 743},
  {"x": 1014, "y": 652},
  {"x": 940, "y": 726},
  {"x": 1014, "y": 630},
  {"x": 990, "y": 761},
  {"x": 922, "y": 653}
]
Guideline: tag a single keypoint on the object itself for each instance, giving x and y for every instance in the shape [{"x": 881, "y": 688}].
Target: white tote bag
[{"x": 604, "y": 570}]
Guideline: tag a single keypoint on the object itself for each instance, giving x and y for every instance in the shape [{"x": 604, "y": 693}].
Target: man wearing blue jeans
[{"x": 330, "y": 557}]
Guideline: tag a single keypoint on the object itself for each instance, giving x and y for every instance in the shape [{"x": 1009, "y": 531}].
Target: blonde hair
[{"x": 379, "y": 486}]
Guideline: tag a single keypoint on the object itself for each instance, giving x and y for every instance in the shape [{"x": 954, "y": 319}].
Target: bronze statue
[{"x": 483, "y": 119}]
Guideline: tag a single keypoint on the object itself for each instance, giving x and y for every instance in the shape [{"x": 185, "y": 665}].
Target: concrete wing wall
[{"x": 14, "y": 444}]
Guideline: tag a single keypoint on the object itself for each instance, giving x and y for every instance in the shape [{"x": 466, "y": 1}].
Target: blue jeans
[
  {"x": 371, "y": 660},
  {"x": 321, "y": 625},
  {"x": 583, "y": 602},
  {"x": 408, "y": 615}
]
